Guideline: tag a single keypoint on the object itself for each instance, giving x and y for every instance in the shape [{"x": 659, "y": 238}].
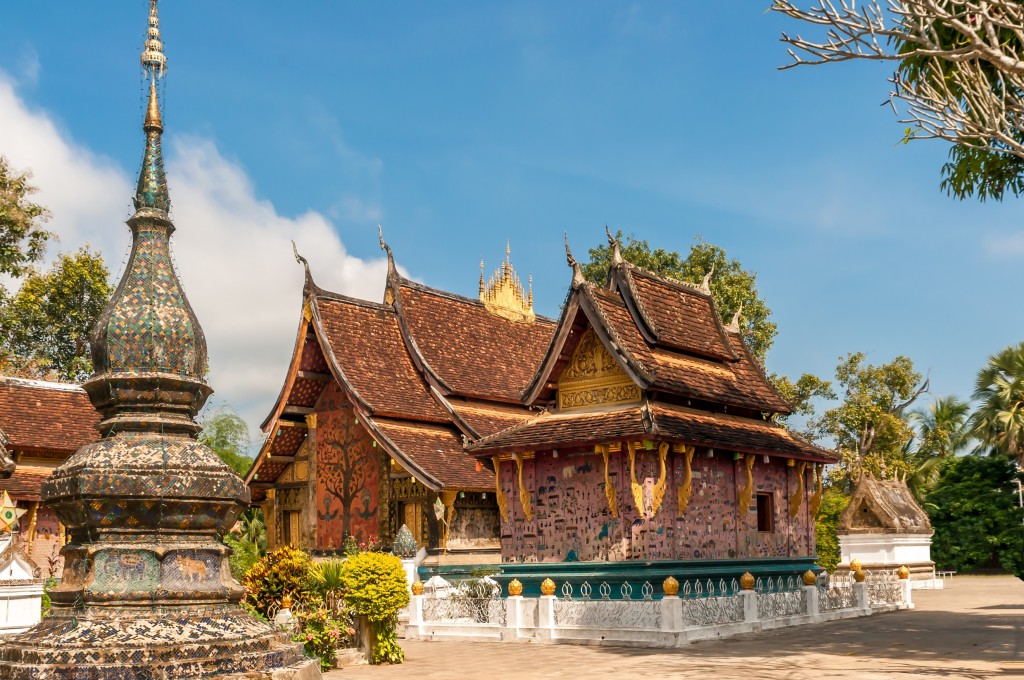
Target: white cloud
[{"x": 232, "y": 248}]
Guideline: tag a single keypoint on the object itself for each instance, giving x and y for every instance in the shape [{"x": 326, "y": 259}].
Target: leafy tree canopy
[
  {"x": 999, "y": 419},
  {"x": 45, "y": 325},
  {"x": 976, "y": 516},
  {"x": 731, "y": 284},
  {"x": 869, "y": 425},
  {"x": 226, "y": 433},
  {"x": 22, "y": 239}
]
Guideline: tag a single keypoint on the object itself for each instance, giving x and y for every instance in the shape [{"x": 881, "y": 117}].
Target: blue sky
[{"x": 459, "y": 126}]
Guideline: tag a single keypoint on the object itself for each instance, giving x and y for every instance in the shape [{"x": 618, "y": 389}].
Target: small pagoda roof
[
  {"x": 26, "y": 483},
  {"x": 883, "y": 506},
  {"x": 465, "y": 350},
  {"x": 46, "y": 419},
  {"x": 649, "y": 420},
  {"x": 15, "y": 565}
]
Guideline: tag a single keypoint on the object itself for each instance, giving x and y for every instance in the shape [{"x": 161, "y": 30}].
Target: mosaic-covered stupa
[{"x": 147, "y": 591}]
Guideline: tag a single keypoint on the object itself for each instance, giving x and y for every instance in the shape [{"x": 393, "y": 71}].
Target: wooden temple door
[{"x": 412, "y": 517}]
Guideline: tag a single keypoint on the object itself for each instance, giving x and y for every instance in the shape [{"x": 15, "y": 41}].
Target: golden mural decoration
[
  {"x": 593, "y": 377},
  {"x": 658, "y": 491},
  {"x": 609, "y": 488},
  {"x": 635, "y": 486},
  {"x": 798, "y": 495},
  {"x": 503, "y": 295},
  {"x": 524, "y": 494},
  {"x": 685, "y": 489},
  {"x": 748, "y": 491},
  {"x": 815, "y": 503},
  {"x": 498, "y": 493},
  {"x": 448, "y": 497}
]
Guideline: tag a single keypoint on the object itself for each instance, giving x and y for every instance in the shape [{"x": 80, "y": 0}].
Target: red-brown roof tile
[
  {"x": 437, "y": 450},
  {"x": 487, "y": 418},
  {"x": 44, "y": 417},
  {"x": 367, "y": 346},
  {"x": 664, "y": 421},
  {"x": 679, "y": 315},
  {"x": 26, "y": 482},
  {"x": 473, "y": 352}
]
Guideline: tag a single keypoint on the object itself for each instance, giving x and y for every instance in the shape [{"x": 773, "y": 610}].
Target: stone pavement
[{"x": 972, "y": 629}]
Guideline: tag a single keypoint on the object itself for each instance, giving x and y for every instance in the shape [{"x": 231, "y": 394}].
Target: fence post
[
  {"x": 811, "y": 601},
  {"x": 513, "y": 615},
  {"x": 546, "y": 613},
  {"x": 415, "y": 610},
  {"x": 908, "y": 600},
  {"x": 860, "y": 596},
  {"x": 671, "y": 613},
  {"x": 749, "y": 605}
]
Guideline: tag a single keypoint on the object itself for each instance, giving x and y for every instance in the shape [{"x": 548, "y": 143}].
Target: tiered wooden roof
[
  {"x": 423, "y": 370},
  {"x": 438, "y": 378},
  {"x": 699, "y": 383},
  {"x": 45, "y": 422}
]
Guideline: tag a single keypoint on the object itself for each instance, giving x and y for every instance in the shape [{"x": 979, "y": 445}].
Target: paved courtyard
[{"x": 973, "y": 629}]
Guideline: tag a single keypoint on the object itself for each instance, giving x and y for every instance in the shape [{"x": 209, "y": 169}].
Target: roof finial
[
  {"x": 616, "y": 248},
  {"x": 308, "y": 286},
  {"x": 154, "y": 62},
  {"x": 386, "y": 248},
  {"x": 705, "y": 285},
  {"x": 151, "y": 191},
  {"x": 734, "y": 325},
  {"x": 577, "y": 272}
]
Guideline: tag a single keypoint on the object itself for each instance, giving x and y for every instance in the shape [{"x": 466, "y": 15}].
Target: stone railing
[{"x": 693, "y": 610}]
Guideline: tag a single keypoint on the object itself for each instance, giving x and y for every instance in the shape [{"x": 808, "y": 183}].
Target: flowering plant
[{"x": 322, "y": 632}]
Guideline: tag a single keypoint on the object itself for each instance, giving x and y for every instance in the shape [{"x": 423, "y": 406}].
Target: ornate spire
[
  {"x": 504, "y": 295},
  {"x": 148, "y": 337},
  {"x": 577, "y": 272}
]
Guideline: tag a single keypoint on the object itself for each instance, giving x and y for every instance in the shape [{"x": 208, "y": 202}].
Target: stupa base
[{"x": 218, "y": 642}]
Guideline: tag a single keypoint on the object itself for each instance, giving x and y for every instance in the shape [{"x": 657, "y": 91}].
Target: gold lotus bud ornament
[
  {"x": 547, "y": 587},
  {"x": 286, "y": 602},
  {"x": 417, "y": 587},
  {"x": 859, "y": 576},
  {"x": 515, "y": 588},
  {"x": 903, "y": 572},
  {"x": 747, "y": 581},
  {"x": 810, "y": 578},
  {"x": 855, "y": 565},
  {"x": 670, "y": 586}
]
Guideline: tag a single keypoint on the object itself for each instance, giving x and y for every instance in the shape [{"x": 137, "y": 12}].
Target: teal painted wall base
[{"x": 634, "y": 572}]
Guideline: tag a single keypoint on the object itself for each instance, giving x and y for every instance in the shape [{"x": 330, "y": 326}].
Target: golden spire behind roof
[{"x": 504, "y": 296}]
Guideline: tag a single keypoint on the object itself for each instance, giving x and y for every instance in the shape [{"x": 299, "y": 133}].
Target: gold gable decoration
[
  {"x": 503, "y": 295},
  {"x": 593, "y": 377}
]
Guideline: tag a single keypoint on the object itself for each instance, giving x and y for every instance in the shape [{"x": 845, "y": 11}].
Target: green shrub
[
  {"x": 286, "y": 571},
  {"x": 326, "y": 582},
  {"x": 321, "y": 632},
  {"x": 244, "y": 554},
  {"x": 374, "y": 586},
  {"x": 47, "y": 585},
  {"x": 826, "y": 528}
]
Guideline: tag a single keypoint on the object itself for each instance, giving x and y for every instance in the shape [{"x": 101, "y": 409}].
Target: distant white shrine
[{"x": 21, "y": 588}]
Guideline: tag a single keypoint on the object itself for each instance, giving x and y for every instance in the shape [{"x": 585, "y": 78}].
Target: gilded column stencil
[
  {"x": 686, "y": 488},
  {"x": 798, "y": 495},
  {"x": 635, "y": 486},
  {"x": 499, "y": 493},
  {"x": 658, "y": 491},
  {"x": 748, "y": 491},
  {"x": 524, "y": 494},
  {"x": 448, "y": 497},
  {"x": 609, "y": 488},
  {"x": 815, "y": 501}
]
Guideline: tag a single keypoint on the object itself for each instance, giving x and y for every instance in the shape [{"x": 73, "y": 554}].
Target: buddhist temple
[
  {"x": 41, "y": 424},
  {"x": 638, "y": 428},
  {"x": 146, "y": 590}
]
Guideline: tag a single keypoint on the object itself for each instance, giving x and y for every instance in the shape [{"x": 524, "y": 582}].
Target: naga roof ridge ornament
[
  {"x": 705, "y": 284},
  {"x": 615, "y": 246},
  {"x": 734, "y": 325},
  {"x": 577, "y": 273}
]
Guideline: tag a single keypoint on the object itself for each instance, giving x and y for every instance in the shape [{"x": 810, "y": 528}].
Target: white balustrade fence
[{"x": 702, "y": 609}]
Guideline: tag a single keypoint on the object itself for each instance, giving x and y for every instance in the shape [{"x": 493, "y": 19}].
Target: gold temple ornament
[
  {"x": 747, "y": 493},
  {"x": 524, "y": 494},
  {"x": 609, "y": 488},
  {"x": 798, "y": 495},
  {"x": 658, "y": 491},
  {"x": 547, "y": 587},
  {"x": 685, "y": 489},
  {"x": 814, "y": 504},
  {"x": 499, "y": 493},
  {"x": 515, "y": 588},
  {"x": 670, "y": 587},
  {"x": 503, "y": 295},
  {"x": 635, "y": 486}
]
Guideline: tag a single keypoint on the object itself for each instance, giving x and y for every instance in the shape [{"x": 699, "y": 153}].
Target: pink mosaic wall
[{"x": 571, "y": 520}]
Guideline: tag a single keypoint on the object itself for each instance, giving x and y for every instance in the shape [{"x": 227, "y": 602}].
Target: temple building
[
  {"x": 41, "y": 424},
  {"x": 638, "y": 427}
]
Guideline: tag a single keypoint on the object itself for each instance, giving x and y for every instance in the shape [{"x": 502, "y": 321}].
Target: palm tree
[
  {"x": 943, "y": 430},
  {"x": 998, "y": 422}
]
